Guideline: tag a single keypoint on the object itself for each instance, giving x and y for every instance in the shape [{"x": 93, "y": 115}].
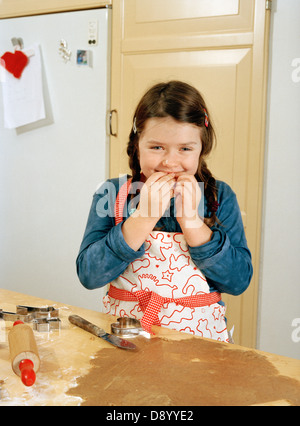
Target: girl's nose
[{"x": 170, "y": 161}]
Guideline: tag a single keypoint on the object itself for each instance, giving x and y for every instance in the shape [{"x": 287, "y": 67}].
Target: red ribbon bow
[{"x": 151, "y": 303}]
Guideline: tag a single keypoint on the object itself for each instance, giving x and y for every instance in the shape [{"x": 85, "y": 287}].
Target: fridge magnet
[
  {"x": 14, "y": 62},
  {"x": 83, "y": 57},
  {"x": 63, "y": 50}
]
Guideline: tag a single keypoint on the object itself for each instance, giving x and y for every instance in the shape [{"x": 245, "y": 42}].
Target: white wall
[{"x": 279, "y": 309}]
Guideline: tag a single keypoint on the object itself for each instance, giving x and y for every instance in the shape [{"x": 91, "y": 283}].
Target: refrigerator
[{"x": 50, "y": 167}]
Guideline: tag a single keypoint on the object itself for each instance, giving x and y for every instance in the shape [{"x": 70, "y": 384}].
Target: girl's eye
[
  {"x": 156, "y": 147},
  {"x": 186, "y": 148}
]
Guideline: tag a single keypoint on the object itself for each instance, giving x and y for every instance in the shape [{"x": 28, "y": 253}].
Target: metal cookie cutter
[
  {"x": 44, "y": 312},
  {"x": 46, "y": 324},
  {"x": 44, "y": 319},
  {"x": 19, "y": 316},
  {"x": 126, "y": 327}
]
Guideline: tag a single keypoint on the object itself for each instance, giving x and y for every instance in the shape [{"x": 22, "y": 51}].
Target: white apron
[{"x": 164, "y": 287}]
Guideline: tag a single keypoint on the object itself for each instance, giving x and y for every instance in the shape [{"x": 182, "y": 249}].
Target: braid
[
  {"x": 211, "y": 193},
  {"x": 132, "y": 152}
]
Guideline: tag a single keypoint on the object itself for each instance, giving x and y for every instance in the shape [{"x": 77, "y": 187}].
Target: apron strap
[
  {"x": 151, "y": 303},
  {"x": 121, "y": 200}
]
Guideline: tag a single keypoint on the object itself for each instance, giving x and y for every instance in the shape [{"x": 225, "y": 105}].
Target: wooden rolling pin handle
[{"x": 27, "y": 372}]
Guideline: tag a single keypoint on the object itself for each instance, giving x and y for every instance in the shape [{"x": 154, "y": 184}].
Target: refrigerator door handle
[{"x": 113, "y": 111}]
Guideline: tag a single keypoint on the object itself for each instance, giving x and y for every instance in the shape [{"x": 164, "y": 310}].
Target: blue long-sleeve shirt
[{"x": 225, "y": 260}]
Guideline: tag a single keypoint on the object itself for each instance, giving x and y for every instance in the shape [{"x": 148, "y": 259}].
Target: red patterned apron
[{"x": 164, "y": 287}]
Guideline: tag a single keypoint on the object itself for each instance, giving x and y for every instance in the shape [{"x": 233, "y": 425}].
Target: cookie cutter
[
  {"x": 46, "y": 324},
  {"x": 127, "y": 327},
  {"x": 18, "y": 316},
  {"x": 38, "y": 312}
]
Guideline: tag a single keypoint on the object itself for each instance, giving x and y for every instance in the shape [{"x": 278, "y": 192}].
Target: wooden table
[{"x": 170, "y": 369}]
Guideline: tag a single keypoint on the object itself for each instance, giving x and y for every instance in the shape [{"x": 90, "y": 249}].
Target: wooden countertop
[{"x": 78, "y": 368}]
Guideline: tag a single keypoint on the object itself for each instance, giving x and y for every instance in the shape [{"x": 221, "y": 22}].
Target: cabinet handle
[{"x": 110, "y": 122}]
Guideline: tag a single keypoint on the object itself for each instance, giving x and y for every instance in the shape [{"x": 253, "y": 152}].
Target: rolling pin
[{"x": 24, "y": 355}]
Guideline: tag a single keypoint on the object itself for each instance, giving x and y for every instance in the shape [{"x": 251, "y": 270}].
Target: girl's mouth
[{"x": 177, "y": 174}]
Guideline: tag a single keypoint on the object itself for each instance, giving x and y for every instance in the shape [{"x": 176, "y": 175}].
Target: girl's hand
[
  {"x": 187, "y": 198},
  {"x": 154, "y": 199},
  {"x": 156, "y": 194}
]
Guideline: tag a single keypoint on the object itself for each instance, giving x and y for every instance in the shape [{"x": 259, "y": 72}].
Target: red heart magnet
[{"x": 15, "y": 62}]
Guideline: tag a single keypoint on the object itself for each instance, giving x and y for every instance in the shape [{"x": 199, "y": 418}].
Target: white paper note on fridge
[{"x": 23, "y": 100}]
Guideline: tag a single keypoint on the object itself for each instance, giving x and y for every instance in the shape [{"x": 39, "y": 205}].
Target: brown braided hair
[{"x": 185, "y": 104}]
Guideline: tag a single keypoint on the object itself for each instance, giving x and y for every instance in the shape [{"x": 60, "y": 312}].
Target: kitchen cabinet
[{"x": 13, "y": 8}]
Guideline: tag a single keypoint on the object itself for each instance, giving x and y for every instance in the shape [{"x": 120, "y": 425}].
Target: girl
[{"x": 172, "y": 239}]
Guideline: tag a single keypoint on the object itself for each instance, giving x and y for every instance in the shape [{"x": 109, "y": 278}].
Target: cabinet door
[
  {"x": 228, "y": 66},
  {"x": 150, "y": 24}
]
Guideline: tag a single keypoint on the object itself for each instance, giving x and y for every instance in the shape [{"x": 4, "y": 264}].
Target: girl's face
[{"x": 166, "y": 145}]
